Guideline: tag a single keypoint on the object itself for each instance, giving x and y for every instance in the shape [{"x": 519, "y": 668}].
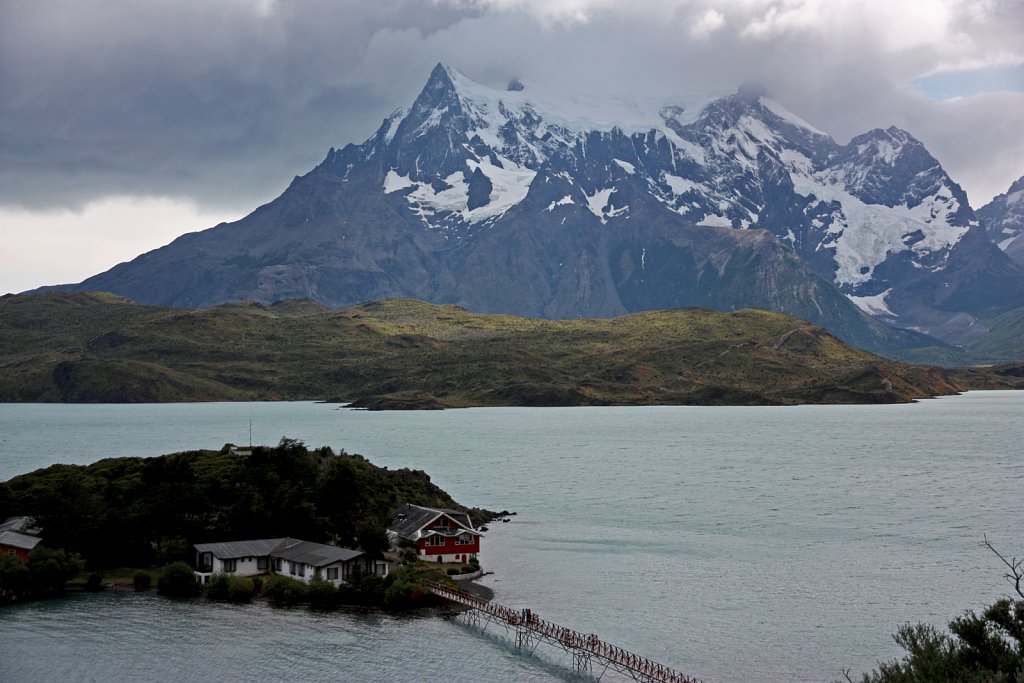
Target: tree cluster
[{"x": 44, "y": 575}]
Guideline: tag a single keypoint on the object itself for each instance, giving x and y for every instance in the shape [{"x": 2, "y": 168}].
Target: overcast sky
[{"x": 124, "y": 124}]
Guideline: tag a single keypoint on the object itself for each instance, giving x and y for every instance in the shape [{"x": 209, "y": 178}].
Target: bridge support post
[
  {"x": 581, "y": 660},
  {"x": 524, "y": 638},
  {"x": 471, "y": 617}
]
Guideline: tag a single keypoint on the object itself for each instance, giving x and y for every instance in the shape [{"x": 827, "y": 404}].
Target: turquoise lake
[{"x": 730, "y": 543}]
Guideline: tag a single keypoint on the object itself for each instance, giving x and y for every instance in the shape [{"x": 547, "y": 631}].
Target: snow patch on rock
[
  {"x": 873, "y": 305},
  {"x": 394, "y": 182},
  {"x": 625, "y": 166},
  {"x": 561, "y": 202}
]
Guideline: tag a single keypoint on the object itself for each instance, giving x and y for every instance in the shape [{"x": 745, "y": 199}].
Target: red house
[
  {"x": 446, "y": 535},
  {"x": 18, "y": 536}
]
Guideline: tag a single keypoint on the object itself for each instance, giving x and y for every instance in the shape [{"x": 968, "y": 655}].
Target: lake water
[{"x": 731, "y": 543}]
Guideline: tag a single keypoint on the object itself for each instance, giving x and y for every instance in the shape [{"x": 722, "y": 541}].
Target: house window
[
  {"x": 464, "y": 539},
  {"x": 229, "y": 565},
  {"x": 261, "y": 564},
  {"x": 205, "y": 562},
  {"x": 302, "y": 569},
  {"x": 292, "y": 567},
  {"x": 332, "y": 573},
  {"x": 436, "y": 539},
  {"x": 275, "y": 564}
]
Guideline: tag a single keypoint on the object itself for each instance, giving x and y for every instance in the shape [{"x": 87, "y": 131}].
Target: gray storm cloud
[{"x": 222, "y": 102}]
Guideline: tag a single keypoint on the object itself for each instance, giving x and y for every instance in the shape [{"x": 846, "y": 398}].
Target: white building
[{"x": 302, "y": 560}]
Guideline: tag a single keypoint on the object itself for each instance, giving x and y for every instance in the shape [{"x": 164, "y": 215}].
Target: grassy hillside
[
  {"x": 1004, "y": 341},
  {"x": 81, "y": 347}
]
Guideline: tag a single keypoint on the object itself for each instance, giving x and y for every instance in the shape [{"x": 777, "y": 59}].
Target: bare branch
[{"x": 1016, "y": 567}]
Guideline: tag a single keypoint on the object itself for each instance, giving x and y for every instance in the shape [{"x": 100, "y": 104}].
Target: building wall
[
  {"x": 249, "y": 566},
  {"x": 244, "y": 566},
  {"x": 20, "y": 553},
  {"x": 345, "y": 570},
  {"x": 451, "y": 551}
]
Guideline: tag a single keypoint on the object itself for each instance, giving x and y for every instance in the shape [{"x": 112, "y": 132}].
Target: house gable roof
[
  {"x": 231, "y": 550},
  {"x": 23, "y": 525},
  {"x": 409, "y": 520},
  {"x": 314, "y": 554},
  {"x": 14, "y": 539},
  {"x": 291, "y": 549}
]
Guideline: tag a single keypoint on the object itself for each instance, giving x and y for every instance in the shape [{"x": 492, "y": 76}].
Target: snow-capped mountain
[
  {"x": 516, "y": 201},
  {"x": 1003, "y": 218},
  {"x": 878, "y": 217}
]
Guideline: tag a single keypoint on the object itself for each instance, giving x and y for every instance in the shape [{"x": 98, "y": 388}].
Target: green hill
[{"x": 87, "y": 347}]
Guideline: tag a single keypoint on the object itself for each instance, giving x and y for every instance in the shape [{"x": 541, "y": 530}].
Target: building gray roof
[
  {"x": 23, "y": 525},
  {"x": 409, "y": 520},
  {"x": 15, "y": 539},
  {"x": 314, "y": 554},
  {"x": 229, "y": 550},
  {"x": 291, "y": 549}
]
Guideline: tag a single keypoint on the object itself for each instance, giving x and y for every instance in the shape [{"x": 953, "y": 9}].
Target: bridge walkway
[{"x": 585, "y": 648}]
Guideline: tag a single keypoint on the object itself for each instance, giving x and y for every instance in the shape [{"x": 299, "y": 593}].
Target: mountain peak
[
  {"x": 440, "y": 82},
  {"x": 441, "y": 74}
]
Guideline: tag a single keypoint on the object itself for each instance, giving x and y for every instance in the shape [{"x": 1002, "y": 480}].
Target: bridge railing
[{"x": 566, "y": 637}]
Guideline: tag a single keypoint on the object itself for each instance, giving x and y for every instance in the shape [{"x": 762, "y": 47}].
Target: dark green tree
[
  {"x": 177, "y": 580},
  {"x": 15, "y": 579},
  {"x": 283, "y": 590},
  {"x": 51, "y": 569},
  {"x": 979, "y": 648},
  {"x": 372, "y": 538}
]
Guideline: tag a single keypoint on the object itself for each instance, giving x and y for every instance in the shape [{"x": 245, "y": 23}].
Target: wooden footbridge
[{"x": 587, "y": 650}]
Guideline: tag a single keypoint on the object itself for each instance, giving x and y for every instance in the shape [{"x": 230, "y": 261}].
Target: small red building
[
  {"x": 18, "y": 536},
  {"x": 437, "y": 534}
]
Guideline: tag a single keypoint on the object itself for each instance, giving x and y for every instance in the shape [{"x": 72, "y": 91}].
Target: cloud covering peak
[{"x": 219, "y": 103}]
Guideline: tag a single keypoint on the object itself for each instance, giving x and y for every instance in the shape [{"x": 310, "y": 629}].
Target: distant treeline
[{"x": 149, "y": 511}]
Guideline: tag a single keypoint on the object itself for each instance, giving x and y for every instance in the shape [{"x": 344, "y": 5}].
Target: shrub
[
  {"x": 405, "y": 589},
  {"x": 94, "y": 583},
  {"x": 217, "y": 588},
  {"x": 323, "y": 595},
  {"x": 985, "y": 648},
  {"x": 452, "y": 571},
  {"x": 51, "y": 569},
  {"x": 142, "y": 581},
  {"x": 469, "y": 569},
  {"x": 241, "y": 589},
  {"x": 282, "y": 590},
  {"x": 177, "y": 580},
  {"x": 398, "y": 595},
  {"x": 15, "y": 579}
]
